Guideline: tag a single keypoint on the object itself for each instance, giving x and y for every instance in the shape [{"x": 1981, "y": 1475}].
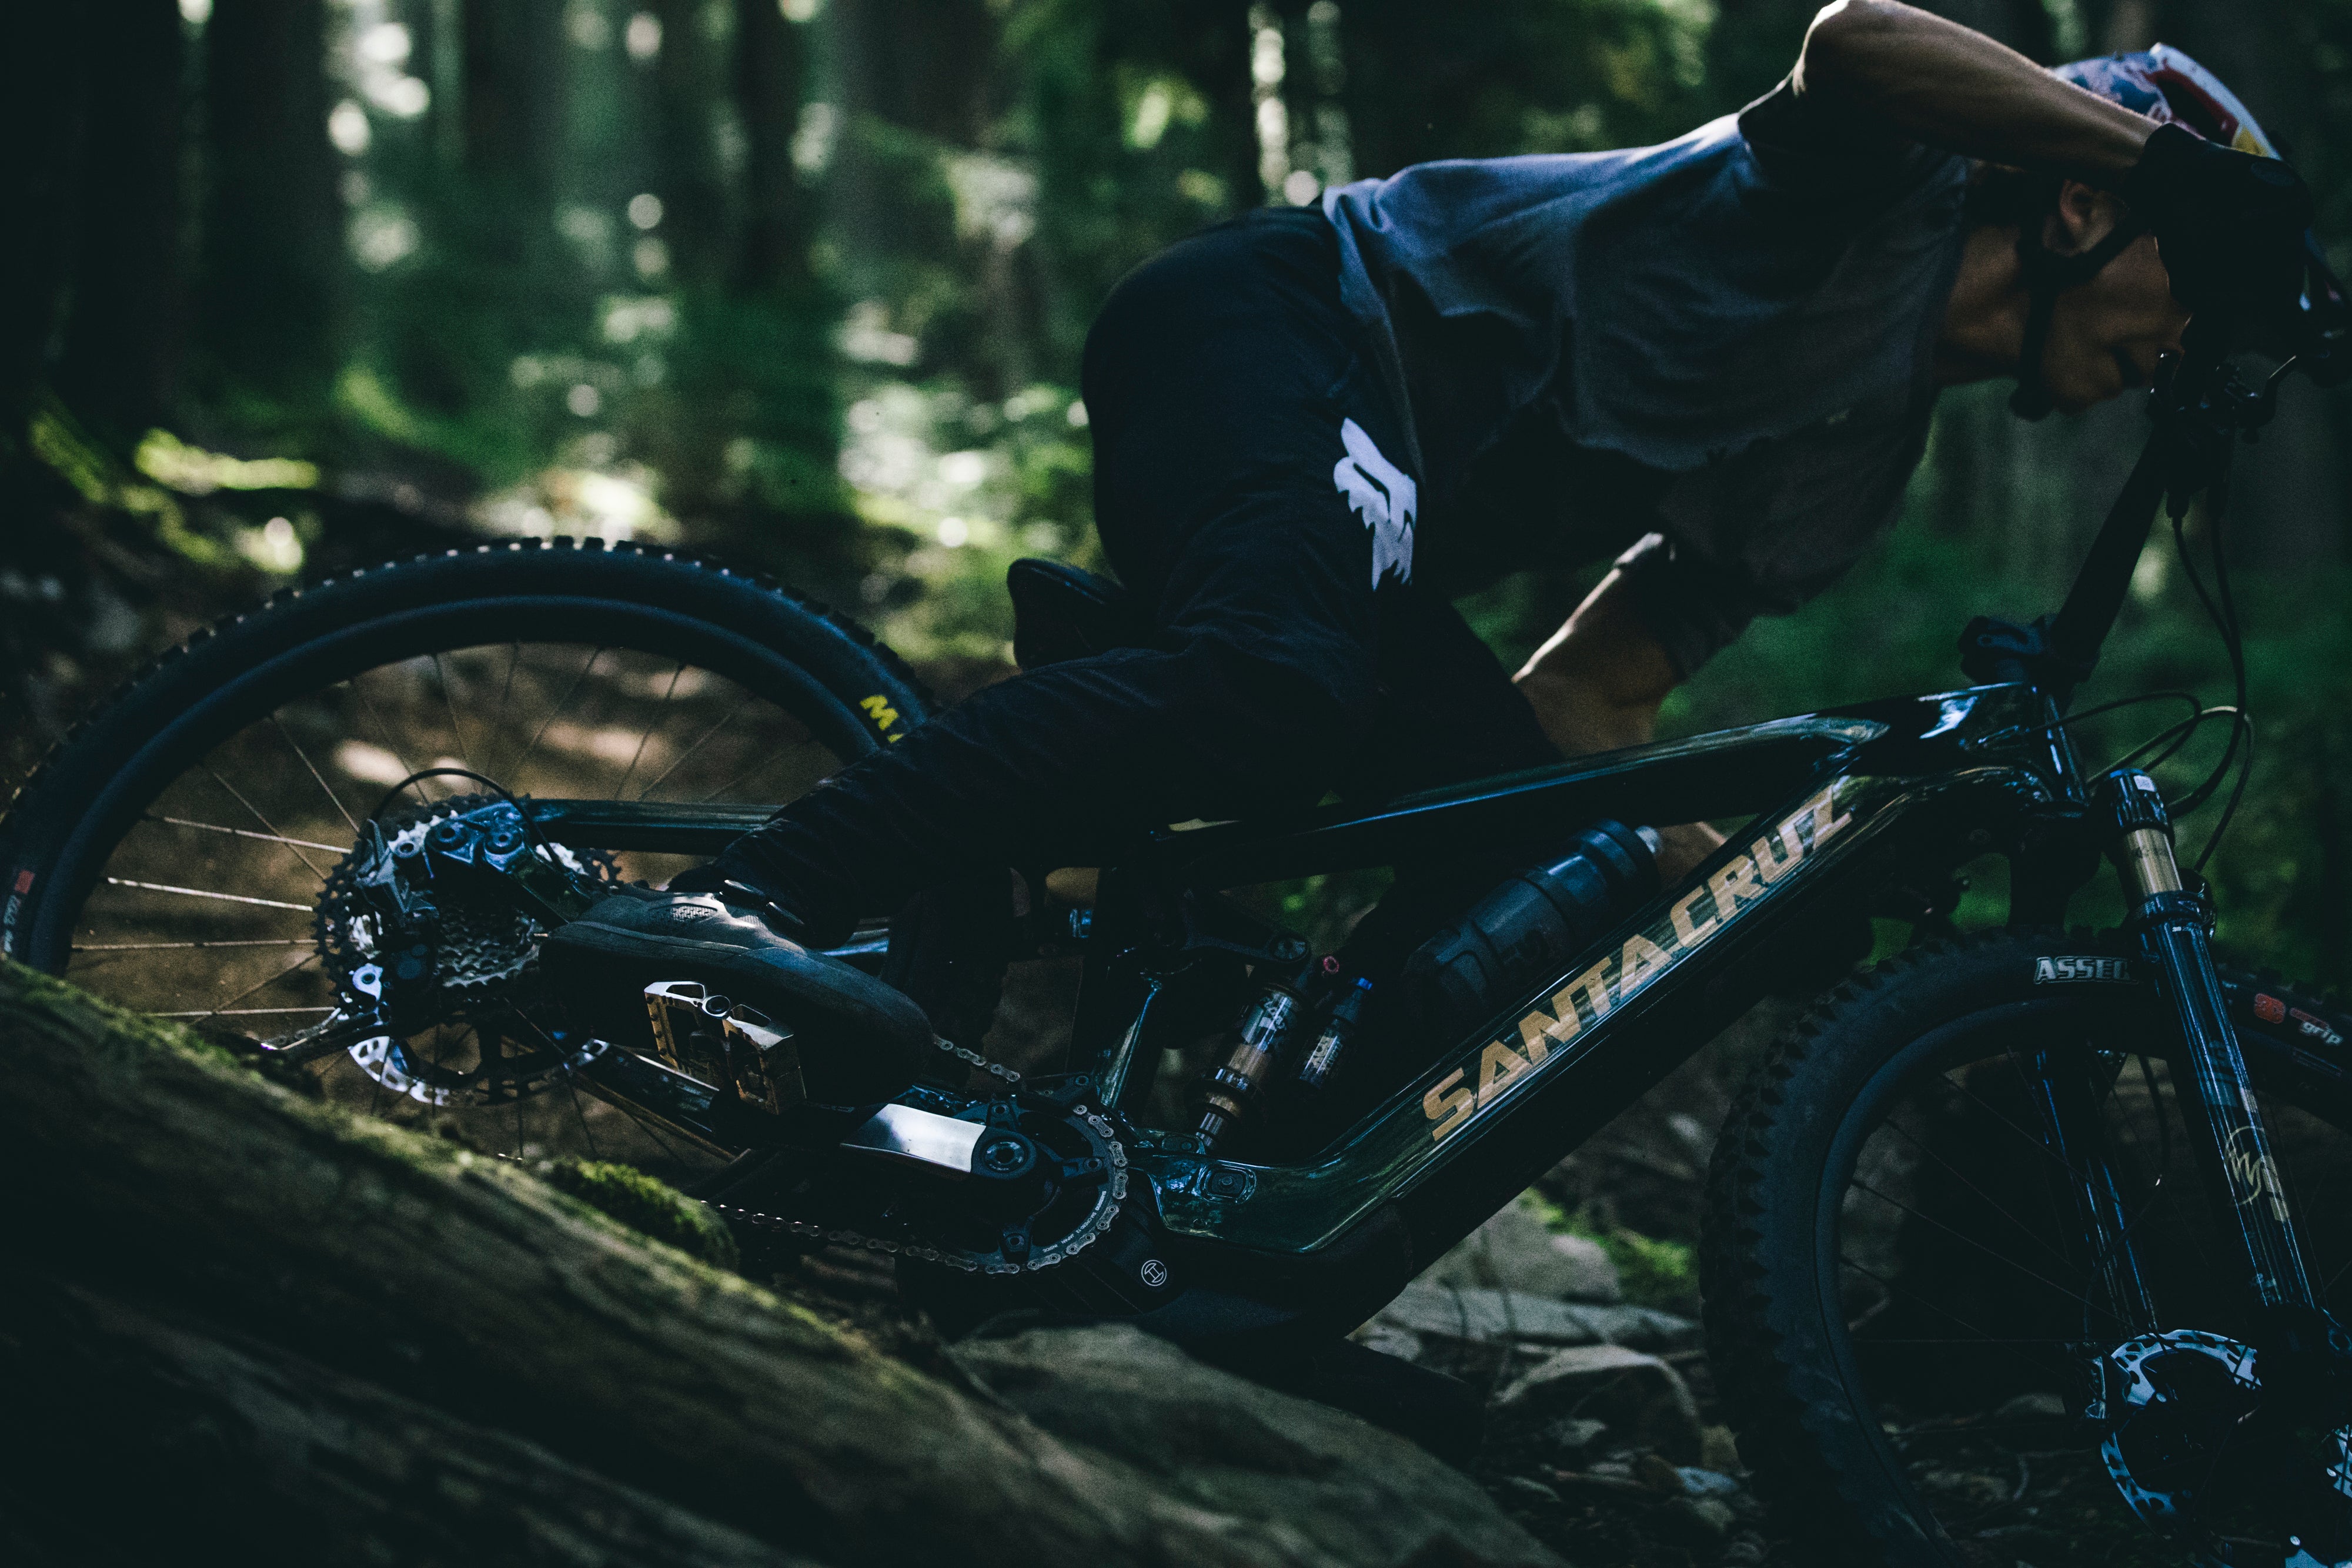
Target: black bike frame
[
  {"x": 1841, "y": 804},
  {"x": 1839, "y": 801}
]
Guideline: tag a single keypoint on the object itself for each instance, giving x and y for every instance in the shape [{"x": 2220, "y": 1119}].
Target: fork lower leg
[{"x": 2174, "y": 926}]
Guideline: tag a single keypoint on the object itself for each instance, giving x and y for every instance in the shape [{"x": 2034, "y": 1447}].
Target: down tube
[{"x": 1439, "y": 1117}]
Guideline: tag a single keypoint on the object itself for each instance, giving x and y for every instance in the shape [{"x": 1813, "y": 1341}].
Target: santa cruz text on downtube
[{"x": 1691, "y": 920}]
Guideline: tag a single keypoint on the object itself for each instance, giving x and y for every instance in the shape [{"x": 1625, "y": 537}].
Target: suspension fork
[{"x": 2226, "y": 1126}]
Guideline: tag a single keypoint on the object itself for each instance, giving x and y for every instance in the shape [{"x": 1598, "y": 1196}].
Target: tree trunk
[
  {"x": 41, "y": 110},
  {"x": 689, "y": 82},
  {"x": 493, "y": 1298},
  {"x": 770, "y": 76},
  {"x": 273, "y": 219},
  {"x": 122, "y": 332},
  {"x": 514, "y": 55}
]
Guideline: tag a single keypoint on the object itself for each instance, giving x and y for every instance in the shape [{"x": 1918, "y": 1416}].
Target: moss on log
[{"x": 477, "y": 1290}]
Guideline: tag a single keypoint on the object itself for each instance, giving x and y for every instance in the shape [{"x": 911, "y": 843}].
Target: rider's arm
[
  {"x": 1951, "y": 88},
  {"x": 1599, "y": 682}
]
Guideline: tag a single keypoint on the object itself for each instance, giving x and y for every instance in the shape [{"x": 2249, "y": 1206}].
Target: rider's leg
[
  {"x": 1451, "y": 714},
  {"x": 1220, "y": 382}
]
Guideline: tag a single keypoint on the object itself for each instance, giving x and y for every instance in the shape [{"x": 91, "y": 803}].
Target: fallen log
[
  {"x": 483, "y": 1293},
  {"x": 162, "y": 1441}
]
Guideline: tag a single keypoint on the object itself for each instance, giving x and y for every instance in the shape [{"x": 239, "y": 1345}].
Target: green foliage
[
  {"x": 1891, "y": 626},
  {"x": 887, "y": 406},
  {"x": 1653, "y": 1271}
]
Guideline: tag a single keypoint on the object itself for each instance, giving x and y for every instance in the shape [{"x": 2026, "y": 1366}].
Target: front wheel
[{"x": 1900, "y": 1306}]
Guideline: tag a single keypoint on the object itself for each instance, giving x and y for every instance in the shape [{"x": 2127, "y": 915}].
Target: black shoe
[{"x": 860, "y": 1042}]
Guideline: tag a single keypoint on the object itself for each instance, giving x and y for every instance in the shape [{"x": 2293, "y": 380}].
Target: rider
[{"x": 1714, "y": 358}]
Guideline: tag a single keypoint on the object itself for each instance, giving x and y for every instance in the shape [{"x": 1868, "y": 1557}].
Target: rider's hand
[{"x": 2229, "y": 226}]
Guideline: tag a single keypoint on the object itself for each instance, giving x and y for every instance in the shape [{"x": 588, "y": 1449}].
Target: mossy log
[
  {"x": 149, "y": 1439},
  {"x": 147, "y": 1160}
]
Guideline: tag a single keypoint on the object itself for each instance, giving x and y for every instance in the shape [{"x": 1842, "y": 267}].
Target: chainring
[{"x": 853, "y": 1203}]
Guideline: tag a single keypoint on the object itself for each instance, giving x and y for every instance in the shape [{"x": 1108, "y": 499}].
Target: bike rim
[
  {"x": 1960, "y": 1312},
  {"x": 202, "y": 862}
]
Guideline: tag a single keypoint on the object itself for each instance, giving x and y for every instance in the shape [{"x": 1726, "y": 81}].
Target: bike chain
[{"x": 1114, "y": 1192}]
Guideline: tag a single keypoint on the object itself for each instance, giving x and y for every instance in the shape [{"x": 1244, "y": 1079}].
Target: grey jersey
[{"x": 1724, "y": 343}]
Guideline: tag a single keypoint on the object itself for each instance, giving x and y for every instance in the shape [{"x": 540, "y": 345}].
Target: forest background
[{"x": 292, "y": 285}]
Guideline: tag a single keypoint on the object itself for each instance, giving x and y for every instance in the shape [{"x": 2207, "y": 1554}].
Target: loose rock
[
  {"x": 1485, "y": 1315},
  {"x": 1573, "y": 1435},
  {"x": 1517, "y": 1252},
  {"x": 2036, "y": 1406},
  {"x": 1659, "y": 1474},
  {"x": 1703, "y": 1522},
  {"x": 1700, "y": 1481},
  {"x": 1637, "y": 1395},
  {"x": 1358, "y": 1494}
]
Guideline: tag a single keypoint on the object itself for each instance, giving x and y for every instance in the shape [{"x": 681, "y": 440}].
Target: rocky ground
[
  {"x": 1603, "y": 1441},
  {"x": 1575, "y": 1311}
]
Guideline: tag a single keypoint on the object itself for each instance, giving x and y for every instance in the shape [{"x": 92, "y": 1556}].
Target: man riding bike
[{"x": 1715, "y": 360}]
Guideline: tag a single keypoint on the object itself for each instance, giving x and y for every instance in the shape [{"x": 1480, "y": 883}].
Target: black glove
[{"x": 2229, "y": 226}]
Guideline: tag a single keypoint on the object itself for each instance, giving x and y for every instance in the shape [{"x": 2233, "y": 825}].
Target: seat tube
[{"x": 2175, "y": 934}]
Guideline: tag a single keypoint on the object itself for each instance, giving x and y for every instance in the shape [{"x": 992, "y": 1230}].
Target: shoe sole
[{"x": 850, "y": 1051}]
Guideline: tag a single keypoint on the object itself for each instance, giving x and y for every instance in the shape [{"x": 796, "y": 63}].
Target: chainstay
[{"x": 1106, "y": 1209}]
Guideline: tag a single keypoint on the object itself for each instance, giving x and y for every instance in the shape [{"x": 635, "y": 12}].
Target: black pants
[{"x": 1219, "y": 381}]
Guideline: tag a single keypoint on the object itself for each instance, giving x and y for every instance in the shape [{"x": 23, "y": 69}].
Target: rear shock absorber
[{"x": 1234, "y": 1089}]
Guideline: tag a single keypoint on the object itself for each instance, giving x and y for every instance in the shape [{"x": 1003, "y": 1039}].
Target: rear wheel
[
  {"x": 179, "y": 853},
  {"x": 1899, "y": 1307}
]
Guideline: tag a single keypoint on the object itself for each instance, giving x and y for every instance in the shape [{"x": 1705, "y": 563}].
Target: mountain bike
[{"x": 2020, "y": 1202}]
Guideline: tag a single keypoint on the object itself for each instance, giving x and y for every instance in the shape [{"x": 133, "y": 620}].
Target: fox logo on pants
[{"x": 1385, "y": 494}]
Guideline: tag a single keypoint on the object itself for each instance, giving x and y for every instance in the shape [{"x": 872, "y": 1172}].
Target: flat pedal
[{"x": 721, "y": 1043}]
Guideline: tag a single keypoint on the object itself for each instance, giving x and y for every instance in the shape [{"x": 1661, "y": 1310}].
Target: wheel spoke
[
  {"x": 506, "y": 691},
  {"x": 760, "y": 765},
  {"x": 202, "y": 893},
  {"x": 587, "y": 1134},
  {"x": 1894, "y": 1287},
  {"x": 2033, "y": 1140},
  {"x": 680, "y": 762},
  {"x": 621, "y": 791},
  {"x": 269, "y": 828},
  {"x": 1959, "y": 1235},
  {"x": 274, "y": 838},
  {"x": 391, "y": 738},
  {"x": 303, "y": 963},
  {"x": 554, "y": 713},
  {"x": 1962, "y": 1176},
  {"x": 328, "y": 792},
  {"x": 164, "y": 946},
  {"x": 244, "y": 1012},
  {"x": 449, "y": 702}
]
